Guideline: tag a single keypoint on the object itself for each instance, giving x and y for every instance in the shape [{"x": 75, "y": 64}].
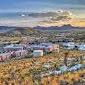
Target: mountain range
[
  {"x": 64, "y": 27},
  {"x": 10, "y": 31},
  {"x": 28, "y": 30}
]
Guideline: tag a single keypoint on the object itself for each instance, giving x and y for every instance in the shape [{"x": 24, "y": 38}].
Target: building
[
  {"x": 69, "y": 45},
  {"x": 82, "y": 47},
  {"x": 37, "y": 53},
  {"x": 56, "y": 47},
  {"x": 21, "y": 53},
  {"x": 14, "y": 47},
  {"x": 13, "y": 54},
  {"x": 5, "y": 56},
  {"x": 45, "y": 48}
]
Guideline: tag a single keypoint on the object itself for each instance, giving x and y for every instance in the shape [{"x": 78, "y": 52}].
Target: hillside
[{"x": 21, "y": 31}]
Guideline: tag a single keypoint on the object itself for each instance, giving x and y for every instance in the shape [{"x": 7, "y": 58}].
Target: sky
[
  {"x": 38, "y": 5},
  {"x": 76, "y": 7}
]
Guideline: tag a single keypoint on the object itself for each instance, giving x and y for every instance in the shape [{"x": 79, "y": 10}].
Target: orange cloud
[
  {"x": 77, "y": 22},
  {"x": 73, "y": 22}
]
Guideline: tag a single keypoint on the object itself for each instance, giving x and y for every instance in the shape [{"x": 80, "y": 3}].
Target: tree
[{"x": 65, "y": 57}]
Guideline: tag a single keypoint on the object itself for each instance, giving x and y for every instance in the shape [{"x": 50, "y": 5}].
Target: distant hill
[
  {"x": 35, "y": 31},
  {"x": 5, "y": 29},
  {"x": 64, "y": 27},
  {"x": 9, "y": 31}
]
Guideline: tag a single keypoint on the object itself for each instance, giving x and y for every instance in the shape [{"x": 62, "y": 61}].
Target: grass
[
  {"x": 70, "y": 78},
  {"x": 18, "y": 71}
]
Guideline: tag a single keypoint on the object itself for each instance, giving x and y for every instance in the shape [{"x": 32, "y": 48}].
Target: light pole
[{"x": 65, "y": 57}]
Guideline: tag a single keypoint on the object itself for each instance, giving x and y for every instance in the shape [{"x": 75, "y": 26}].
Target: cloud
[{"x": 53, "y": 16}]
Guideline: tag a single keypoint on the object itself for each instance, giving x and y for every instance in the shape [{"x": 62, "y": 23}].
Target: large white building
[
  {"x": 37, "y": 53},
  {"x": 82, "y": 47},
  {"x": 69, "y": 45},
  {"x": 14, "y": 47}
]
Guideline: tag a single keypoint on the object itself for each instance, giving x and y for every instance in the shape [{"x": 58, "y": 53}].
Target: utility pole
[{"x": 65, "y": 57}]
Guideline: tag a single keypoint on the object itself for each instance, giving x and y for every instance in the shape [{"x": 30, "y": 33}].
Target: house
[
  {"x": 21, "y": 53},
  {"x": 48, "y": 47},
  {"x": 45, "y": 48},
  {"x": 5, "y": 56},
  {"x": 56, "y": 47},
  {"x": 14, "y": 47},
  {"x": 46, "y": 65},
  {"x": 13, "y": 54},
  {"x": 75, "y": 67},
  {"x": 37, "y": 53},
  {"x": 63, "y": 68},
  {"x": 53, "y": 47},
  {"x": 69, "y": 45},
  {"x": 57, "y": 72},
  {"x": 82, "y": 47},
  {"x": 37, "y": 47}
]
